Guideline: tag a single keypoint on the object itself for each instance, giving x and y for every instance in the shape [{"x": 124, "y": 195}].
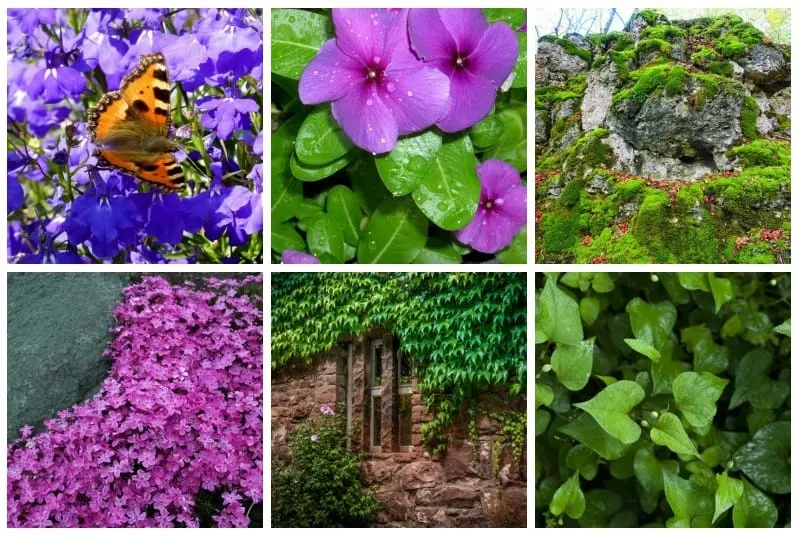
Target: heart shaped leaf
[
  {"x": 696, "y": 395},
  {"x": 560, "y": 315},
  {"x": 765, "y": 458},
  {"x": 584, "y": 460},
  {"x": 728, "y": 493},
  {"x": 652, "y": 323},
  {"x": 569, "y": 498},
  {"x": 610, "y": 408},
  {"x": 669, "y": 432},
  {"x": 692, "y": 505},
  {"x": 707, "y": 355},
  {"x": 586, "y": 431},
  {"x": 649, "y": 470},
  {"x": 754, "y": 509},
  {"x": 641, "y": 346},
  {"x": 572, "y": 364}
]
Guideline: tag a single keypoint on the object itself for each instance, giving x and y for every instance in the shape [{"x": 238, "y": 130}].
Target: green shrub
[
  {"x": 662, "y": 400},
  {"x": 762, "y": 153},
  {"x": 320, "y": 486},
  {"x": 560, "y": 234},
  {"x": 571, "y": 193}
]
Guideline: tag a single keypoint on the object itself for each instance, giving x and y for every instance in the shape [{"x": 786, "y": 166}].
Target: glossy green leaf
[
  {"x": 514, "y": 17},
  {"x": 610, "y": 409},
  {"x": 516, "y": 252},
  {"x": 587, "y": 431},
  {"x": 754, "y": 509},
  {"x": 665, "y": 370},
  {"x": 721, "y": 289},
  {"x": 708, "y": 356},
  {"x": 560, "y": 315},
  {"x": 542, "y": 419},
  {"x": 404, "y": 168},
  {"x": 309, "y": 174},
  {"x": 325, "y": 237},
  {"x": 784, "y": 328},
  {"x": 285, "y": 237},
  {"x": 753, "y": 384},
  {"x": 589, "y": 309},
  {"x": 343, "y": 207},
  {"x": 694, "y": 281},
  {"x": 602, "y": 282},
  {"x": 366, "y": 184},
  {"x": 584, "y": 460},
  {"x": 651, "y": 323},
  {"x": 438, "y": 252},
  {"x": 696, "y": 395},
  {"x": 450, "y": 189},
  {"x": 669, "y": 432},
  {"x": 543, "y": 395},
  {"x": 487, "y": 132},
  {"x": 320, "y": 139},
  {"x": 649, "y": 470},
  {"x": 728, "y": 493},
  {"x": 600, "y": 507},
  {"x": 692, "y": 505},
  {"x": 297, "y": 35},
  {"x": 569, "y": 498},
  {"x": 765, "y": 458},
  {"x": 396, "y": 233},
  {"x": 285, "y": 189},
  {"x": 512, "y": 145},
  {"x": 519, "y": 73},
  {"x": 572, "y": 364},
  {"x": 642, "y": 347}
]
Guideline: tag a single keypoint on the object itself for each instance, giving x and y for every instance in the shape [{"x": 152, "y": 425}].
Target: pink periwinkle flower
[
  {"x": 378, "y": 88},
  {"x": 293, "y": 257},
  {"x": 502, "y": 211},
  {"x": 476, "y": 56},
  {"x": 181, "y": 410},
  {"x": 314, "y": 437}
]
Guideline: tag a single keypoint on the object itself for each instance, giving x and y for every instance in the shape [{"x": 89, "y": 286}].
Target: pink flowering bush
[{"x": 178, "y": 418}]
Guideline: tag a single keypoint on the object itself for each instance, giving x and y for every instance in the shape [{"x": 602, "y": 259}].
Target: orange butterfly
[{"x": 130, "y": 126}]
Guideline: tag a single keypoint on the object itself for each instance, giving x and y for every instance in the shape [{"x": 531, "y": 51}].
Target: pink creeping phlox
[{"x": 180, "y": 411}]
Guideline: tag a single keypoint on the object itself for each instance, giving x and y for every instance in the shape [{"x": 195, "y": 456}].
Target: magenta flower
[
  {"x": 327, "y": 410},
  {"x": 477, "y": 58},
  {"x": 502, "y": 211},
  {"x": 293, "y": 257},
  {"x": 378, "y": 88}
]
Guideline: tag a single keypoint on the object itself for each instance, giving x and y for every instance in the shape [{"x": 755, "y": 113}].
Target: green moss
[
  {"x": 749, "y": 113},
  {"x": 573, "y": 88},
  {"x": 663, "y": 31},
  {"x": 587, "y": 152},
  {"x": 688, "y": 196},
  {"x": 670, "y": 77},
  {"x": 652, "y": 16},
  {"x": 704, "y": 55},
  {"x": 569, "y": 47},
  {"x": 741, "y": 196},
  {"x": 723, "y": 68},
  {"x": 653, "y": 45},
  {"x": 730, "y": 34},
  {"x": 730, "y": 46},
  {"x": 571, "y": 193},
  {"x": 652, "y": 213},
  {"x": 624, "y": 249},
  {"x": 627, "y": 190},
  {"x": 762, "y": 153},
  {"x": 560, "y": 233}
]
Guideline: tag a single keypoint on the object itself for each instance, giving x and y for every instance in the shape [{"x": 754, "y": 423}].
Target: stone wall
[{"x": 461, "y": 488}]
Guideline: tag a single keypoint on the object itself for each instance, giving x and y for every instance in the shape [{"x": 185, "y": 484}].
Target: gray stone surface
[
  {"x": 601, "y": 84},
  {"x": 553, "y": 65},
  {"x": 57, "y": 330},
  {"x": 764, "y": 65}
]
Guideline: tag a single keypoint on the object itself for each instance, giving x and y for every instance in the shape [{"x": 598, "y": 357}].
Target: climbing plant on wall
[{"x": 466, "y": 331}]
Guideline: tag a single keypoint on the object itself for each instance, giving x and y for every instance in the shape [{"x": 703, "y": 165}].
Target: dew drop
[
  {"x": 390, "y": 86},
  {"x": 316, "y": 72},
  {"x": 410, "y": 93},
  {"x": 499, "y": 201},
  {"x": 376, "y": 59},
  {"x": 382, "y": 140},
  {"x": 369, "y": 102}
]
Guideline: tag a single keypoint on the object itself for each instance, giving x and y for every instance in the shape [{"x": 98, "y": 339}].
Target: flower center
[
  {"x": 460, "y": 61},
  {"x": 493, "y": 205},
  {"x": 371, "y": 74}
]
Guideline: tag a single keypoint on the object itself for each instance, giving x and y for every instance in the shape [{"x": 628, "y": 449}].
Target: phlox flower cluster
[{"x": 180, "y": 413}]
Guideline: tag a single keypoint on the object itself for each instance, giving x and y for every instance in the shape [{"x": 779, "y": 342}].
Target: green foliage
[
  {"x": 749, "y": 113},
  {"x": 571, "y": 193},
  {"x": 466, "y": 331},
  {"x": 573, "y": 88},
  {"x": 669, "y": 77},
  {"x": 561, "y": 233},
  {"x": 663, "y": 31},
  {"x": 762, "y": 153},
  {"x": 653, "y": 45},
  {"x": 684, "y": 420},
  {"x": 568, "y": 46},
  {"x": 320, "y": 485}
]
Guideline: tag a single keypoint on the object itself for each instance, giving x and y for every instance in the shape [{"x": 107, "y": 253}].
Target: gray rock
[
  {"x": 781, "y": 102},
  {"x": 568, "y": 138},
  {"x": 628, "y": 210},
  {"x": 598, "y": 184},
  {"x": 601, "y": 84},
  {"x": 564, "y": 109},
  {"x": 625, "y": 153},
  {"x": 553, "y": 65},
  {"x": 657, "y": 166},
  {"x": 57, "y": 330},
  {"x": 764, "y": 65},
  {"x": 541, "y": 126},
  {"x": 762, "y": 101},
  {"x": 765, "y": 125},
  {"x": 737, "y": 71}
]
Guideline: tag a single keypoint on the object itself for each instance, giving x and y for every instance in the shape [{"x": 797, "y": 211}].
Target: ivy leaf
[
  {"x": 754, "y": 509},
  {"x": 721, "y": 289},
  {"x": 404, "y": 168},
  {"x": 694, "y": 281},
  {"x": 450, "y": 189},
  {"x": 396, "y": 233},
  {"x": 765, "y": 458},
  {"x": 753, "y": 384},
  {"x": 572, "y": 364},
  {"x": 297, "y": 35},
  {"x": 589, "y": 309},
  {"x": 320, "y": 140},
  {"x": 644, "y": 348},
  {"x": 587, "y": 431},
  {"x": 584, "y": 460},
  {"x": 649, "y": 470},
  {"x": 696, "y": 395},
  {"x": 563, "y": 313},
  {"x": 652, "y": 323},
  {"x": 692, "y": 505},
  {"x": 669, "y": 432},
  {"x": 569, "y": 498},
  {"x": 610, "y": 408},
  {"x": 728, "y": 493},
  {"x": 543, "y": 395},
  {"x": 707, "y": 355},
  {"x": 784, "y": 328}
]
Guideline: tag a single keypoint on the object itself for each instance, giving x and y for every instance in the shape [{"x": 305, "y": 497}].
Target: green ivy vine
[{"x": 466, "y": 332}]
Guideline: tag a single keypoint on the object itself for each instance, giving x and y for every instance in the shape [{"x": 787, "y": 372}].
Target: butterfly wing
[{"x": 160, "y": 169}]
